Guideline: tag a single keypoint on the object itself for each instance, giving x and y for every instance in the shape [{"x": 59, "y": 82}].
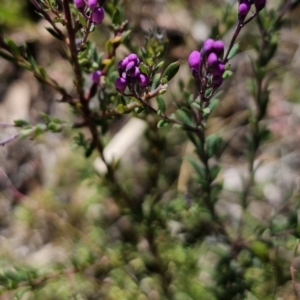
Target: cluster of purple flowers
[
  {"x": 245, "y": 6},
  {"x": 208, "y": 62},
  {"x": 130, "y": 74},
  {"x": 95, "y": 6}
]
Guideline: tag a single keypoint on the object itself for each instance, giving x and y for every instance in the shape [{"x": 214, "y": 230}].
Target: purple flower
[
  {"x": 217, "y": 81},
  {"x": 136, "y": 72},
  {"x": 218, "y": 47},
  {"x": 143, "y": 80},
  {"x": 130, "y": 68},
  {"x": 92, "y": 4},
  {"x": 79, "y": 4},
  {"x": 133, "y": 57},
  {"x": 260, "y": 4},
  {"x": 120, "y": 84},
  {"x": 208, "y": 46},
  {"x": 244, "y": 8},
  {"x": 218, "y": 70},
  {"x": 98, "y": 15},
  {"x": 212, "y": 59},
  {"x": 122, "y": 65},
  {"x": 95, "y": 76},
  {"x": 194, "y": 61}
]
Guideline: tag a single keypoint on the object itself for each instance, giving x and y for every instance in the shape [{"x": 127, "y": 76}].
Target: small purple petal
[
  {"x": 130, "y": 67},
  {"x": 79, "y": 4},
  {"x": 208, "y": 46},
  {"x": 92, "y": 4},
  {"x": 219, "y": 69},
  {"x": 244, "y": 8},
  {"x": 143, "y": 80},
  {"x": 259, "y": 4},
  {"x": 194, "y": 61},
  {"x": 122, "y": 65},
  {"x": 95, "y": 76},
  {"x": 98, "y": 15},
  {"x": 132, "y": 57},
  {"x": 212, "y": 59},
  {"x": 120, "y": 84},
  {"x": 218, "y": 47},
  {"x": 136, "y": 73}
]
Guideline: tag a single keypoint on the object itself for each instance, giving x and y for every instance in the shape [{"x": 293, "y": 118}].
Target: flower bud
[
  {"x": 217, "y": 81},
  {"x": 208, "y": 46},
  {"x": 218, "y": 47},
  {"x": 219, "y": 69},
  {"x": 259, "y": 4},
  {"x": 122, "y": 65},
  {"x": 194, "y": 61},
  {"x": 98, "y": 15},
  {"x": 95, "y": 76},
  {"x": 92, "y": 4},
  {"x": 143, "y": 80},
  {"x": 212, "y": 59},
  {"x": 136, "y": 72},
  {"x": 120, "y": 84},
  {"x": 244, "y": 8},
  {"x": 133, "y": 57},
  {"x": 79, "y": 4},
  {"x": 130, "y": 67}
]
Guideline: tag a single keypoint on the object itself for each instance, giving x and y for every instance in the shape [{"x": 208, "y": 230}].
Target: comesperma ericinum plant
[{"x": 148, "y": 261}]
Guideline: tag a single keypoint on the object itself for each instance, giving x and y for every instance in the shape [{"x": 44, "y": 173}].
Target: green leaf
[
  {"x": 155, "y": 82},
  {"x": 233, "y": 50},
  {"x": 117, "y": 19},
  {"x": 54, "y": 127},
  {"x": 144, "y": 69},
  {"x": 206, "y": 111},
  {"x": 213, "y": 143},
  {"x": 162, "y": 91},
  {"x": 82, "y": 20},
  {"x": 13, "y": 47},
  {"x": 38, "y": 131},
  {"x": 162, "y": 123},
  {"x": 42, "y": 72},
  {"x": 161, "y": 103},
  {"x": 194, "y": 139},
  {"x": 108, "y": 46},
  {"x": 125, "y": 35},
  {"x": 45, "y": 117},
  {"x": 215, "y": 191},
  {"x": 21, "y": 123},
  {"x": 198, "y": 168},
  {"x": 120, "y": 108},
  {"x": 196, "y": 105},
  {"x": 26, "y": 132},
  {"x": 171, "y": 71},
  {"x": 185, "y": 117},
  {"x": 260, "y": 249},
  {"x": 227, "y": 74},
  {"x": 159, "y": 65},
  {"x": 214, "y": 171},
  {"x": 6, "y": 56},
  {"x": 89, "y": 150},
  {"x": 54, "y": 33}
]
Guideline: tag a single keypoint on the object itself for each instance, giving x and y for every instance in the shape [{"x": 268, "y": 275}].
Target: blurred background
[{"x": 54, "y": 211}]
